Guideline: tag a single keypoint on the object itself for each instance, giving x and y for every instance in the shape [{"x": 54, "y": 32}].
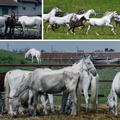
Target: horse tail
[
  {"x": 45, "y": 21},
  {"x": 79, "y": 91},
  {"x": 94, "y": 90},
  {"x": 7, "y": 91}
]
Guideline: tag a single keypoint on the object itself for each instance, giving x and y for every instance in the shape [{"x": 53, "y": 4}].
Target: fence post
[{"x": 99, "y": 13}]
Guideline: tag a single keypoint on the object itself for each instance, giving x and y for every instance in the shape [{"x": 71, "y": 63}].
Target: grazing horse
[
  {"x": 100, "y": 22},
  {"x": 112, "y": 98},
  {"x": 14, "y": 79},
  {"x": 33, "y": 52},
  {"x": 61, "y": 20},
  {"x": 77, "y": 24},
  {"x": 10, "y": 22}
]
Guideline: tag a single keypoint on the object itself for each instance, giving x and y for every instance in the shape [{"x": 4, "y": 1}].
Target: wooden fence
[{"x": 50, "y": 66}]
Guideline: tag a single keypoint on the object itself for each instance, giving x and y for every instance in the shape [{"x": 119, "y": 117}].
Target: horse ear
[{"x": 89, "y": 56}]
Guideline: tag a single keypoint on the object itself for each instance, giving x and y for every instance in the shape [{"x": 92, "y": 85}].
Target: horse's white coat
[
  {"x": 51, "y": 13},
  {"x": 86, "y": 14},
  {"x": 31, "y": 22},
  {"x": 100, "y": 22},
  {"x": 33, "y": 52},
  {"x": 65, "y": 20},
  {"x": 12, "y": 81},
  {"x": 112, "y": 99}
]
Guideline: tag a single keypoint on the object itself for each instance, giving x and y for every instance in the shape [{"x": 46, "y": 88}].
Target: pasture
[
  {"x": 74, "y": 6},
  {"x": 104, "y": 88}
]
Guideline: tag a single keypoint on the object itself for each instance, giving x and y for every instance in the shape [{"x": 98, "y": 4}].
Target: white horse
[
  {"x": 15, "y": 79},
  {"x": 52, "y": 13},
  {"x": 47, "y": 81},
  {"x": 2, "y": 20},
  {"x": 65, "y": 20},
  {"x": 112, "y": 98},
  {"x": 86, "y": 14},
  {"x": 100, "y": 22},
  {"x": 117, "y": 21},
  {"x": 33, "y": 52},
  {"x": 12, "y": 80},
  {"x": 31, "y": 22},
  {"x": 90, "y": 78}
]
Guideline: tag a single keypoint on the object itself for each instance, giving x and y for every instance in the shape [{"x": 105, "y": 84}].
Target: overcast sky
[{"x": 66, "y": 46}]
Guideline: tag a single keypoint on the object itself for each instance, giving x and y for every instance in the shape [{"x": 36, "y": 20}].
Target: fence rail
[{"x": 58, "y": 65}]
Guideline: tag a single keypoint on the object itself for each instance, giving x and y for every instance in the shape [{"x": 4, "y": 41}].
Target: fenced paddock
[
  {"x": 18, "y": 31},
  {"x": 103, "y": 112}
]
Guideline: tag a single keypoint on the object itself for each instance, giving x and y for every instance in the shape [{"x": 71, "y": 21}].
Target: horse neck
[
  {"x": 23, "y": 87},
  {"x": 87, "y": 14},
  {"x": 79, "y": 65},
  {"x": 109, "y": 16},
  {"x": 28, "y": 53},
  {"x": 111, "y": 94},
  {"x": 52, "y": 13}
]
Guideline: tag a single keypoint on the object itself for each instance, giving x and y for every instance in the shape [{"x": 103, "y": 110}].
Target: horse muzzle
[{"x": 93, "y": 71}]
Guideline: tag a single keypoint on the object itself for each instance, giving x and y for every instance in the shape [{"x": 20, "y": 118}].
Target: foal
[{"x": 77, "y": 24}]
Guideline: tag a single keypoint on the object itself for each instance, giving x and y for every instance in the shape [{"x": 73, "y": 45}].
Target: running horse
[{"x": 10, "y": 22}]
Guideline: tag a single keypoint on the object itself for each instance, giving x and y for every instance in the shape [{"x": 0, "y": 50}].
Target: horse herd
[
  {"x": 7, "y": 21},
  {"x": 21, "y": 85},
  {"x": 78, "y": 20}
]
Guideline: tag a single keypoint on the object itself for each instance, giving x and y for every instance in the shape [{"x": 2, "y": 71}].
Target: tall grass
[{"x": 74, "y": 6}]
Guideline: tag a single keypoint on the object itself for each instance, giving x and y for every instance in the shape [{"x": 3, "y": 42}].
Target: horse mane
[
  {"x": 107, "y": 13},
  {"x": 87, "y": 11}
]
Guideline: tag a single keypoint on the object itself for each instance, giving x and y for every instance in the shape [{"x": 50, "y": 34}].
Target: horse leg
[
  {"x": 116, "y": 23},
  {"x": 111, "y": 27},
  {"x": 30, "y": 102},
  {"x": 86, "y": 100},
  {"x": 74, "y": 106},
  {"x": 73, "y": 30},
  {"x": 63, "y": 28},
  {"x": 48, "y": 28},
  {"x": 88, "y": 29},
  {"x": 69, "y": 30},
  {"x": 43, "y": 103},
  {"x": 94, "y": 30},
  {"x": 69, "y": 27},
  {"x": 35, "y": 99},
  {"x": 50, "y": 97},
  {"x": 5, "y": 29},
  {"x": 64, "y": 100}
]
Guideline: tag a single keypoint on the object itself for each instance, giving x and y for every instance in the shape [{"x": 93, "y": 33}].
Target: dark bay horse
[
  {"x": 10, "y": 22},
  {"x": 77, "y": 24}
]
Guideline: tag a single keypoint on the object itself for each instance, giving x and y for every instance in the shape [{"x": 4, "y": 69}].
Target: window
[
  {"x": 34, "y": 8},
  {"x": 4, "y": 10},
  {"x": 24, "y": 8}
]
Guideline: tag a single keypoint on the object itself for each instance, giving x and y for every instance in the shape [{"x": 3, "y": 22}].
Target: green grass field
[{"x": 74, "y": 6}]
